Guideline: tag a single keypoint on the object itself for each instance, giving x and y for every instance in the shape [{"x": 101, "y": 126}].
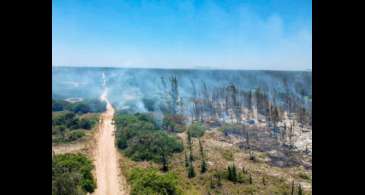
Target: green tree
[
  {"x": 66, "y": 183},
  {"x": 300, "y": 190},
  {"x": 164, "y": 161},
  {"x": 85, "y": 124},
  {"x": 204, "y": 166},
  {"x": 232, "y": 173},
  {"x": 229, "y": 171},
  {"x": 191, "y": 171},
  {"x": 196, "y": 129},
  {"x": 186, "y": 160},
  {"x": 174, "y": 94},
  {"x": 151, "y": 181}
]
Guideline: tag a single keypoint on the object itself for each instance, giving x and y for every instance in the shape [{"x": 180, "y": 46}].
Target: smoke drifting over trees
[
  {"x": 203, "y": 95},
  {"x": 214, "y": 122}
]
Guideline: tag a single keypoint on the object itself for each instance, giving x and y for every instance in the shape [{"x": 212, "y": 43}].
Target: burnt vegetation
[{"x": 166, "y": 119}]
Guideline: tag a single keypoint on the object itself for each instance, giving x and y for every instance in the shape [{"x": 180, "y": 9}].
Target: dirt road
[{"x": 109, "y": 178}]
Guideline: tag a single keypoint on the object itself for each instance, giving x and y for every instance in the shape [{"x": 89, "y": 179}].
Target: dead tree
[{"x": 174, "y": 94}]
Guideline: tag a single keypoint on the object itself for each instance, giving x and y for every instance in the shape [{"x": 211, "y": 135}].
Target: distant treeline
[
  {"x": 196, "y": 93},
  {"x": 230, "y": 102},
  {"x": 81, "y": 107}
]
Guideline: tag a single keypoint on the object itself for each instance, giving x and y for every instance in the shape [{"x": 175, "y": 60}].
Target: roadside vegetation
[
  {"x": 142, "y": 139},
  {"x": 71, "y": 174},
  {"x": 73, "y": 121},
  {"x": 82, "y": 107},
  {"x": 152, "y": 181},
  {"x": 209, "y": 138}
]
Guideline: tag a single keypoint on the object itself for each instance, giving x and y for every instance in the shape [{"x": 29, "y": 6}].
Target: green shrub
[
  {"x": 82, "y": 107},
  {"x": 79, "y": 107},
  {"x": 141, "y": 139},
  {"x": 196, "y": 129},
  {"x": 152, "y": 182},
  {"x": 70, "y": 173},
  {"x": 152, "y": 146},
  {"x": 88, "y": 185},
  {"x": 66, "y": 125},
  {"x": 74, "y": 135},
  {"x": 59, "y": 105},
  {"x": 66, "y": 183},
  {"x": 173, "y": 123},
  {"x": 303, "y": 175},
  {"x": 86, "y": 124},
  {"x": 191, "y": 171},
  {"x": 128, "y": 126}
]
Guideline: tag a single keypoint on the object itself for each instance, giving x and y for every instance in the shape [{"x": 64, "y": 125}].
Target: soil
[{"x": 110, "y": 181}]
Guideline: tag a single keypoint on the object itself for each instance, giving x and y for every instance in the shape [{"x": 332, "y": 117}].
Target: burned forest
[{"x": 202, "y": 131}]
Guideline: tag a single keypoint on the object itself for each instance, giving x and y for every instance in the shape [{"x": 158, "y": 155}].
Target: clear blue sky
[{"x": 246, "y": 34}]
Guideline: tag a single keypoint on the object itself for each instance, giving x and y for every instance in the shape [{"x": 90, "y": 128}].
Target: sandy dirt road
[{"x": 109, "y": 179}]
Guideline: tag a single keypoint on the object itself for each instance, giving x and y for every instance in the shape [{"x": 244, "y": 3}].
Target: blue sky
[{"x": 255, "y": 34}]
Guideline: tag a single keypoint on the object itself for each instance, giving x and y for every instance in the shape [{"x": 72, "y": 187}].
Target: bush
[
  {"x": 141, "y": 139},
  {"x": 82, "y": 107},
  {"x": 74, "y": 135},
  {"x": 152, "y": 146},
  {"x": 71, "y": 173},
  {"x": 152, "y": 182},
  {"x": 65, "y": 123},
  {"x": 66, "y": 119},
  {"x": 303, "y": 175},
  {"x": 86, "y": 124},
  {"x": 88, "y": 185},
  {"x": 66, "y": 183},
  {"x": 196, "y": 129},
  {"x": 79, "y": 107},
  {"x": 128, "y": 126},
  {"x": 235, "y": 129},
  {"x": 59, "y": 105},
  {"x": 173, "y": 123},
  {"x": 96, "y": 106}
]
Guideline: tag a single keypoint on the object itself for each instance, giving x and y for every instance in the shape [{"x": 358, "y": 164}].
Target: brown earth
[{"x": 110, "y": 181}]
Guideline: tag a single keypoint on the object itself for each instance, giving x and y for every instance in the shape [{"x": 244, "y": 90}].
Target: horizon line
[{"x": 175, "y": 68}]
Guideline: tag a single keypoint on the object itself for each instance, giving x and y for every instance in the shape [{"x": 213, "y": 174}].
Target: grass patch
[
  {"x": 196, "y": 129},
  {"x": 304, "y": 176},
  {"x": 227, "y": 155}
]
